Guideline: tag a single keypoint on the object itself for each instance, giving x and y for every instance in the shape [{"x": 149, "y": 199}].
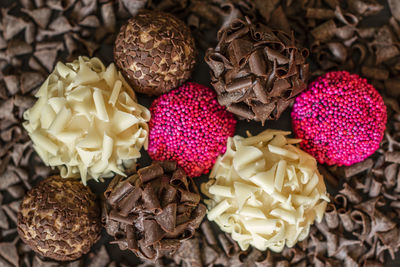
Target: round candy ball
[
  {"x": 59, "y": 219},
  {"x": 155, "y": 51},
  {"x": 341, "y": 119},
  {"x": 189, "y": 126}
]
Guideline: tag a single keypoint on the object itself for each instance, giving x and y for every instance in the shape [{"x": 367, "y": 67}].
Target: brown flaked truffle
[
  {"x": 60, "y": 219},
  {"x": 153, "y": 211},
  {"x": 257, "y": 71},
  {"x": 155, "y": 51}
]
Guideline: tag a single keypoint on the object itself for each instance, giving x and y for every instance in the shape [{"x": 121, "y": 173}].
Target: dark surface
[{"x": 200, "y": 75}]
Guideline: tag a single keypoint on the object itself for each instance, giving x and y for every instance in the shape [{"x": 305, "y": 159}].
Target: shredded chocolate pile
[
  {"x": 153, "y": 211},
  {"x": 257, "y": 71}
]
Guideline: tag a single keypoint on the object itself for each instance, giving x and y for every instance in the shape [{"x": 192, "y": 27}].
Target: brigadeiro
[
  {"x": 341, "y": 119},
  {"x": 91, "y": 126},
  {"x": 155, "y": 51},
  {"x": 257, "y": 71},
  {"x": 188, "y": 125},
  {"x": 153, "y": 211},
  {"x": 59, "y": 219}
]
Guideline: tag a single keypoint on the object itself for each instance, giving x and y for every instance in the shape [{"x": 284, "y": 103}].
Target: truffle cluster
[
  {"x": 151, "y": 212},
  {"x": 86, "y": 120},
  {"x": 189, "y": 126},
  {"x": 59, "y": 219},
  {"x": 341, "y": 119},
  {"x": 257, "y": 71},
  {"x": 155, "y": 51}
]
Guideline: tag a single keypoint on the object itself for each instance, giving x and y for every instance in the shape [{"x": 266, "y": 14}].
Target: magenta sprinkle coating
[
  {"x": 189, "y": 126},
  {"x": 340, "y": 117}
]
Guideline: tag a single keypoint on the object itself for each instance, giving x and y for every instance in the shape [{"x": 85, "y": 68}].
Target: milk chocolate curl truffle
[
  {"x": 59, "y": 219},
  {"x": 86, "y": 120},
  {"x": 265, "y": 191},
  {"x": 257, "y": 71},
  {"x": 151, "y": 212},
  {"x": 155, "y": 51}
]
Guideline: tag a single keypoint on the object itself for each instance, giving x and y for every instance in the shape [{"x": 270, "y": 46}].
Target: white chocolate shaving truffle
[
  {"x": 265, "y": 191},
  {"x": 87, "y": 121}
]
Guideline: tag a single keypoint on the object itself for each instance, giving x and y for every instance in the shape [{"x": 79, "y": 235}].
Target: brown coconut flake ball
[
  {"x": 155, "y": 51},
  {"x": 257, "y": 71},
  {"x": 60, "y": 219},
  {"x": 152, "y": 212}
]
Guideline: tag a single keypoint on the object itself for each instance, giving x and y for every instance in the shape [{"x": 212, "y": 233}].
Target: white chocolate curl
[
  {"x": 87, "y": 121},
  {"x": 265, "y": 191}
]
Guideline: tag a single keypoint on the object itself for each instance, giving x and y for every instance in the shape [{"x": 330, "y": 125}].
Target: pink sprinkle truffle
[
  {"x": 189, "y": 126},
  {"x": 341, "y": 119}
]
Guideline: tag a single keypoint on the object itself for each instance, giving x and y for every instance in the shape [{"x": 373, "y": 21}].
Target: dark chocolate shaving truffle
[
  {"x": 257, "y": 71},
  {"x": 153, "y": 211},
  {"x": 155, "y": 51},
  {"x": 59, "y": 219}
]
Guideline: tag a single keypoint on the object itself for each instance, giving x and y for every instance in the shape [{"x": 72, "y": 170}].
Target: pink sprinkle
[
  {"x": 341, "y": 119},
  {"x": 189, "y": 126}
]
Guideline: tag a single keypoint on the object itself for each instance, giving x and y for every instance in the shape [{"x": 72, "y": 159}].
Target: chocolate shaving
[
  {"x": 257, "y": 71},
  {"x": 140, "y": 223},
  {"x": 150, "y": 172}
]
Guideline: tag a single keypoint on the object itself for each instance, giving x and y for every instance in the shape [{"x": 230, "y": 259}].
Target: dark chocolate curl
[
  {"x": 346, "y": 18},
  {"x": 280, "y": 87},
  {"x": 357, "y": 168},
  {"x": 363, "y": 220},
  {"x": 393, "y": 157},
  {"x": 375, "y": 188},
  {"x": 331, "y": 216},
  {"x": 370, "y": 205},
  {"x": 375, "y": 73},
  {"x": 208, "y": 233},
  {"x": 168, "y": 165},
  {"x": 345, "y": 218},
  {"x": 112, "y": 185},
  {"x": 153, "y": 232},
  {"x": 226, "y": 245},
  {"x": 338, "y": 51},
  {"x": 257, "y": 63},
  {"x": 115, "y": 216},
  {"x": 130, "y": 201},
  {"x": 238, "y": 84},
  {"x": 324, "y": 31},
  {"x": 216, "y": 62},
  {"x": 150, "y": 172},
  {"x": 120, "y": 190},
  {"x": 320, "y": 13},
  {"x": 150, "y": 199},
  {"x": 231, "y": 97},
  {"x": 179, "y": 178},
  {"x": 167, "y": 218},
  {"x": 239, "y": 51},
  {"x": 130, "y": 237},
  {"x": 187, "y": 196},
  {"x": 351, "y": 194},
  {"x": 241, "y": 111},
  {"x": 260, "y": 92},
  {"x": 276, "y": 55}
]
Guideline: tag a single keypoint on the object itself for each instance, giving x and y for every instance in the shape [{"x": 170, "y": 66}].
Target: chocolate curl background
[
  {"x": 35, "y": 34},
  {"x": 256, "y": 71},
  {"x": 152, "y": 212}
]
